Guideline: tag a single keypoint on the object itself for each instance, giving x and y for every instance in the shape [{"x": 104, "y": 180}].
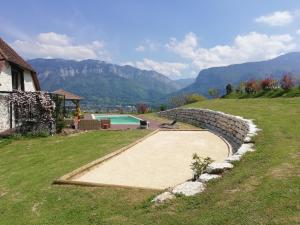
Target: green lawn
[{"x": 264, "y": 188}]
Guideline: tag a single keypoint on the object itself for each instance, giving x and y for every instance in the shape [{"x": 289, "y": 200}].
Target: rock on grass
[
  {"x": 205, "y": 177},
  {"x": 189, "y": 188},
  {"x": 217, "y": 168},
  {"x": 163, "y": 197}
]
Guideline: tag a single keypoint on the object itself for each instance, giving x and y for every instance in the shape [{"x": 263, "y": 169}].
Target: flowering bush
[
  {"x": 251, "y": 86},
  {"x": 268, "y": 84},
  {"x": 33, "y": 111},
  {"x": 287, "y": 82},
  {"x": 142, "y": 108}
]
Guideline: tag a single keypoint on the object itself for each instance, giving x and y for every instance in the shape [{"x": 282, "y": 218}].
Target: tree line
[{"x": 253, "y": 86}]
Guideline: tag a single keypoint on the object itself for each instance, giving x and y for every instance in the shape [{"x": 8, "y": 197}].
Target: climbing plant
[{"x": 33, "y": 111}]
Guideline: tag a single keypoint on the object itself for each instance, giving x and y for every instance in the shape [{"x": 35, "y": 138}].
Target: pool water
[{"x": 119, "y": 119}]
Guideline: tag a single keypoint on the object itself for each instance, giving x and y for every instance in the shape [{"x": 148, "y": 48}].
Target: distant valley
[{"x": 182, "y": 83}]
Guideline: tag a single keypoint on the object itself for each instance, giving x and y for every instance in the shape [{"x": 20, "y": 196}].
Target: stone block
[
  {"x": 189, "y": 188},
  {"x": 163, "y": 197},
  {"x": 205, "y": 177},
  {"x": 217, "y": 168}
]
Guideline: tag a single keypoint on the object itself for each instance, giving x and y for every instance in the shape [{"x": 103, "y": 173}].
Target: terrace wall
[{"x": 232, "y": 128}]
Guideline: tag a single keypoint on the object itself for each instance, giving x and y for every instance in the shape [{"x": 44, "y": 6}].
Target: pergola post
[
  {"x": 77, "y": 107},
  {"x": 64, "y": 107}
]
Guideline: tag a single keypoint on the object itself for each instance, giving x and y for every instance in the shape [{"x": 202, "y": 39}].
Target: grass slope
[{"x": 264, "y": 188}]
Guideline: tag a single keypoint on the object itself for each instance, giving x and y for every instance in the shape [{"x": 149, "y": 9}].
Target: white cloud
[
  {"x": 54, "y": 45},
  {"x": 278, "y": 18},
  {"x": 52, "y": 38},
  {"x": 171, "y": 69},
  {"x": 147, "y": 45},
  {"x": 250, "y": 47},
  {"x": 185, "y": 48},
  {"x": 298, "y": 32},
  {"x": 128, "y": 63},
  {"x": 140, "y": 48}
]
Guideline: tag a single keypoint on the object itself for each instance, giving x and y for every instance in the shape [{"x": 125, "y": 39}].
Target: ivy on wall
[{"x": 33, "y": 111}]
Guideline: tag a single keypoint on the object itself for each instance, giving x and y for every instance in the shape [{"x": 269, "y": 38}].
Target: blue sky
[{"x": 176, "y": 38}]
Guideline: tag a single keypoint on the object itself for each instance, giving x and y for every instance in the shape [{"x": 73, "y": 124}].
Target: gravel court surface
[{"x": 160, "y": 161}]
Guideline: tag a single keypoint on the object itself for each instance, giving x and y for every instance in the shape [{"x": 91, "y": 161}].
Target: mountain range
[
  {"x": 102, "y": 83},
  {"x": 219, "y": 77}
]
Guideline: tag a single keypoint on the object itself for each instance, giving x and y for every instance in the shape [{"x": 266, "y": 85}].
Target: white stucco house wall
[{"x": 15, "y": 74}]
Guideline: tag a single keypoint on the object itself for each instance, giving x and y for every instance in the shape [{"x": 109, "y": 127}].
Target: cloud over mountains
[{"x": 54, "y": 45}]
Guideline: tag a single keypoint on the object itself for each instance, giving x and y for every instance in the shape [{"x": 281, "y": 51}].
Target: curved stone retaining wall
[{"x": 234, "y": 129}]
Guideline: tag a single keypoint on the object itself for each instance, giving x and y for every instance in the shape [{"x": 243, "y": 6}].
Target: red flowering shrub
[
  {"x": 252, "y": 86},
  {"x": 287, "y": 82},
  {"x": 268, "y": 84},
  {"x": 142, "y": 108}
]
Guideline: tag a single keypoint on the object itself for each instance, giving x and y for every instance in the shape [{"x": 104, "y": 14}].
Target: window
[{"x": 17, "y": 78}]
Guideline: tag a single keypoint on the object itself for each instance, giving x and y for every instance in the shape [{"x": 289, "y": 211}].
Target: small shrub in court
[{"x": 199, "y": 165}]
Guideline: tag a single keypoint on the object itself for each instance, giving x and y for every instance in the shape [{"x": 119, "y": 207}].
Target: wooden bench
[{"x": 86, "y": 124}]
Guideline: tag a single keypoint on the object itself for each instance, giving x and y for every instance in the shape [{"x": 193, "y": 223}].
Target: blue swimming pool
[{"x": 120, "y": 119}]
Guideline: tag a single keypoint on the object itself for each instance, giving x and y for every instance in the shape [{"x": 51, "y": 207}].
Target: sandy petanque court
[{"x": 160, "y": 161}]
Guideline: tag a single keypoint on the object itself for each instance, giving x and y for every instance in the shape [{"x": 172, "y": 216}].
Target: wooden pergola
[{"x": 68, "y": 96}]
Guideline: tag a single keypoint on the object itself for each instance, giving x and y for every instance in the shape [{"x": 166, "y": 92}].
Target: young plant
[{"x": 199, "y": 165}]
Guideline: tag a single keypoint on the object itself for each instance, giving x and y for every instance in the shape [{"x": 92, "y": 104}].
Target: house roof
[
  {"x": 68, "y": 95},
  {"x": 10, "y": 55}
]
